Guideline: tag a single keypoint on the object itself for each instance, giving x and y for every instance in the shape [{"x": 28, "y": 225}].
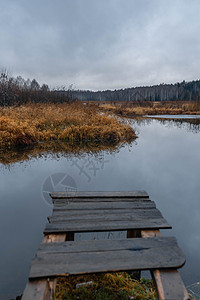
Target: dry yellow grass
[
  {"x": 131, "y": 109},
  {"x": 26, "y": 124}
]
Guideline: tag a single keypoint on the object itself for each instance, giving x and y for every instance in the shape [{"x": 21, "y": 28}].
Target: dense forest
[
  {"x": 19, "y": 90},
  {"x": 186, "y": 91}
]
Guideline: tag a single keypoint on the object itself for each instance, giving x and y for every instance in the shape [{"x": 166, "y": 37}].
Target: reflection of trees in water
[
  {"x": 142, "y": 121},
  {"x": 191, "y": 125},
  {"x": 56, "y": 150}
]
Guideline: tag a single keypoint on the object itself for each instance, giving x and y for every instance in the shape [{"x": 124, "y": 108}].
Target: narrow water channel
[{"x": 164, "y": 161}]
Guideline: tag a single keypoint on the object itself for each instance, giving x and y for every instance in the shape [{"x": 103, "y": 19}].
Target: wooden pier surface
[{"x": 77, "y": 212}]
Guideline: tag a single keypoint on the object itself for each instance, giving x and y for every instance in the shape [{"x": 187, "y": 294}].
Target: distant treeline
[
  {"x": 185, "y": 91},
  {"x": 20, "y": 91}
]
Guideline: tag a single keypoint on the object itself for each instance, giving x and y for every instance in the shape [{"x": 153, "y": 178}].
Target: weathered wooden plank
[
  {"x": 104, "y": 205},
  {"x": 100, "y": 218},
  {"x": 99, "y": 194},
  {"x": 139, "y": 213},
  {"x": 81, "y": 200},
  {"x": 43, "y": 289},
  {"x": 135, "y": 244},
  {"x": 107, "y": 256},
  {"x": 168, "y": 282},
  {"x": 90, "y": 226},
  {"x": 93, "y": 212}
]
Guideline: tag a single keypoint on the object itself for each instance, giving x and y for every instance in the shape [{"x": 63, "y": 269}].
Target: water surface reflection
[{"x": 164, "y": 161}]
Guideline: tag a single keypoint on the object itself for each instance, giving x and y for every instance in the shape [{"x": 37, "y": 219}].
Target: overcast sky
[{"x": 101, "y": 44}]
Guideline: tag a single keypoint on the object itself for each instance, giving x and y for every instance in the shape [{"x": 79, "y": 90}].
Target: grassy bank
[
  {"x": 75, "y": 122},
  {"x": 116, "y": 286},
  {"x": 141, "y": 108}
]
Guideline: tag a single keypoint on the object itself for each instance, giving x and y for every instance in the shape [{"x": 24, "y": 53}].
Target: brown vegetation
[
  {"x": 27, "y": 124},
  {"x": 141, "y": 108}
]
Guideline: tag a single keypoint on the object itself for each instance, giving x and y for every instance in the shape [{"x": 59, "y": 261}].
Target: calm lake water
[{"x": 164, "y": 161}]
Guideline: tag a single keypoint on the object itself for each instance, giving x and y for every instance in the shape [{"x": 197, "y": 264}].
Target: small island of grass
[{"x": 72, "y": 122}]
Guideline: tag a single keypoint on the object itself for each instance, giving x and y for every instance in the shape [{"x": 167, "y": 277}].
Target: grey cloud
[{"x": 101, "y": 44}]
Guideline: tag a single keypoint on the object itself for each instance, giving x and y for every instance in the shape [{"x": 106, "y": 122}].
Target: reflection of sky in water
[
  {"x": 175, "y": 116},
  {"x": 165, "y": 162}
]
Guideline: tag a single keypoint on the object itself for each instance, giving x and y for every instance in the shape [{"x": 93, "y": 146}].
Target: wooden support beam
[
  {"x": 168, "y": 283},
  {"x": 43, "y": 289},
  {"x": 37, "y": 290}
]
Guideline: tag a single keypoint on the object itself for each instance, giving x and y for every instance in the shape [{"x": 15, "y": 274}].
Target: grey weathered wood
[
  {"x": 170, "y": 285},
  {"x": 168, "y": 282},
  {"x": 93, "y": 212},
  {"x": 91, "y": 226},
  {"x": 43, "y": 289},
  {"x": 106, "y": 256},
  {"x": 134, "y": 244},
  {"x": 81, "y": 200},
  {"x": 104, "y": 205},
  {"x": 139, "y": 213},
  {"x": 106, "y": 211},
  {"x": 37, "y": 290},
  {"x": 95, "y": 194}
]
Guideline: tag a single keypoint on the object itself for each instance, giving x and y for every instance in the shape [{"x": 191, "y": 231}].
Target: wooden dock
[{"x": 144, "y": 248}]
